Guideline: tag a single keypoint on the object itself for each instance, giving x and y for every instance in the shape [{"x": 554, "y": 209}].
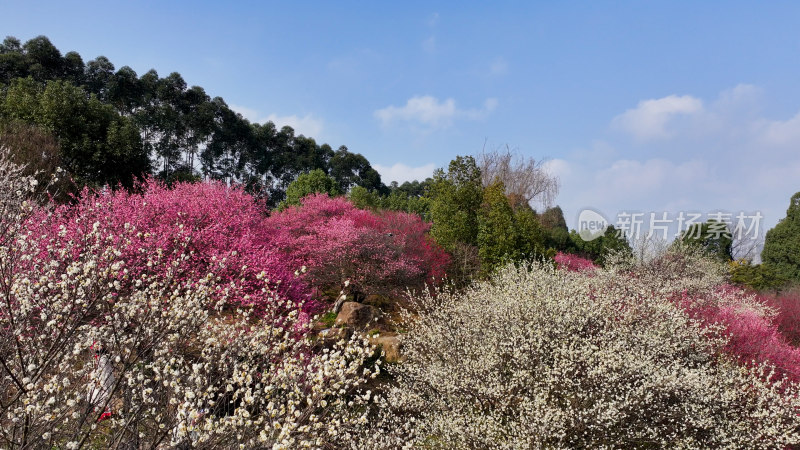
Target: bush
[
  {"x": 559, "y": 359},
  {"x": 573, "y": 262},
  {"x": 695, "y": 281},
  {"x": 216, "y": 229},
  {"x": 787, "y": 318},
  {"x": 668, "y": 269},
  {"x": 379, "y": 253},
  {"x": 749, "y": 324}
]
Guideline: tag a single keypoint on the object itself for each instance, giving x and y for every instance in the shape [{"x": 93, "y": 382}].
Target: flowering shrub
[
  {"x": 787, "y": 305},
  {"x": 753, "y": 338},
  {"x": 750, "y": 325},
  {"x": 206, "y": 224},
  {"x": 573, "y": 262},
  {"x": 174, "y": 363},
  {"x": 127, "y": 328},
  {"x": 668, "y": 270},
  {"x": 695, "y": 283},
  {"x": 560, "y": 359},
  {"x": 381, "y": 253}
]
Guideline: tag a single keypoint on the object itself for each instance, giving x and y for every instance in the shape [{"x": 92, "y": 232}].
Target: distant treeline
[{"x": 112, "y": 126}]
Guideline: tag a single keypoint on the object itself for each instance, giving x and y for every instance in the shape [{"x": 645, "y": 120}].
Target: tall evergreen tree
[
  {"x": 781, "y": 251},
  {"x": 183, "y": 133},
  {"x": 98, "y": 146},
  {"x": 455, "y": 197},
  {"x": 496, "y": 229}
]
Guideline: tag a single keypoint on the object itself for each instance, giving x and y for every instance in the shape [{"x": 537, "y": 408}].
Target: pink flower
[
  {"x": 382, "y": 253},
  {"x": 185, "y": 233},
  {"x": 573, "y": 263}
]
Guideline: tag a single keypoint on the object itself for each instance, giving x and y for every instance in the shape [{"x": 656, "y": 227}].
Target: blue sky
[{"x": 638, "y": 106}]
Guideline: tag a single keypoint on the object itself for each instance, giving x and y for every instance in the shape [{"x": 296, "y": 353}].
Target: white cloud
[
  {"x": 723, "y": 153},
  {"x": 307, "y": 125},
  {"x": 741, "y": 94},
  {"x": 558, "y": 167},
  {"x": 432, "y": 113},
  {"x": 782, "y": 177},
  {"x": 650, "y": 118},
  {"x": 401, "y": 173},
  {"x": 498, "y": 67},
  {"x": 429, "y": 45},
  {"x": 426, "y": 110},
  {"x": 781, "y": 132},
  {"x": 632, "y": 179}
]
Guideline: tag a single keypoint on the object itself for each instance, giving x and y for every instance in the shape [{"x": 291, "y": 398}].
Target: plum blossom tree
[
  {"x": 549, "y": 358},
  {"x": 573, "y": 262},
  {"x": 188, "y": 360},
  {"x": 208, "y": 224},
  {"x": 378, "y": 252}
]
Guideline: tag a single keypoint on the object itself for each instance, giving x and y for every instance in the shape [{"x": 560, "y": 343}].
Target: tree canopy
[
  {"x": 114, "y": 125},
  {"x": 782, "y": 245},
  {"x": 455, "y": 197},
  {"x": 312, "y": 182},
  {"x": 712, "y": 236}
]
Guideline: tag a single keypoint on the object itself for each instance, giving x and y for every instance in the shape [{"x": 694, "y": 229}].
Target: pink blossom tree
[
  {"x": 183, "y": 233},
  {"x": 787, "y": 305},
  {"x": 194, "y": 346},
  {"x": 573, "y": 262},
  {"x": 750, "y": 325},
  {"x": 384, "y": 252}
]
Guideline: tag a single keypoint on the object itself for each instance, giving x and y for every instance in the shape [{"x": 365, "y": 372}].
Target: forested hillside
[{"x": 113, "y": 125}]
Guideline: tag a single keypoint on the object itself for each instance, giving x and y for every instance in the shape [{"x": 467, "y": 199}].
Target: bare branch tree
[
  {"x": 525, "y": 178},
  {"x": 747, "y": 248},
  {"x": 37, "y": 154},
  {"x": 646, "y": 249}
]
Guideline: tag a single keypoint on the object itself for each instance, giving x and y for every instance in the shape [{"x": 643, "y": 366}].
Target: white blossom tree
[
  {"x": 543, "y": 358},
  {"x": 175, "y": 366}
]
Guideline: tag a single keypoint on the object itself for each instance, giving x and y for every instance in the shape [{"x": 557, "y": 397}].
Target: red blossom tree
[
  {"x": 378, "y": 252},
  {"x": 753, "y": 332},
  {"x": 787, "y": 305},
  {"x": 573, "y": 262},
  {"x": 220, "y": 228}
]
